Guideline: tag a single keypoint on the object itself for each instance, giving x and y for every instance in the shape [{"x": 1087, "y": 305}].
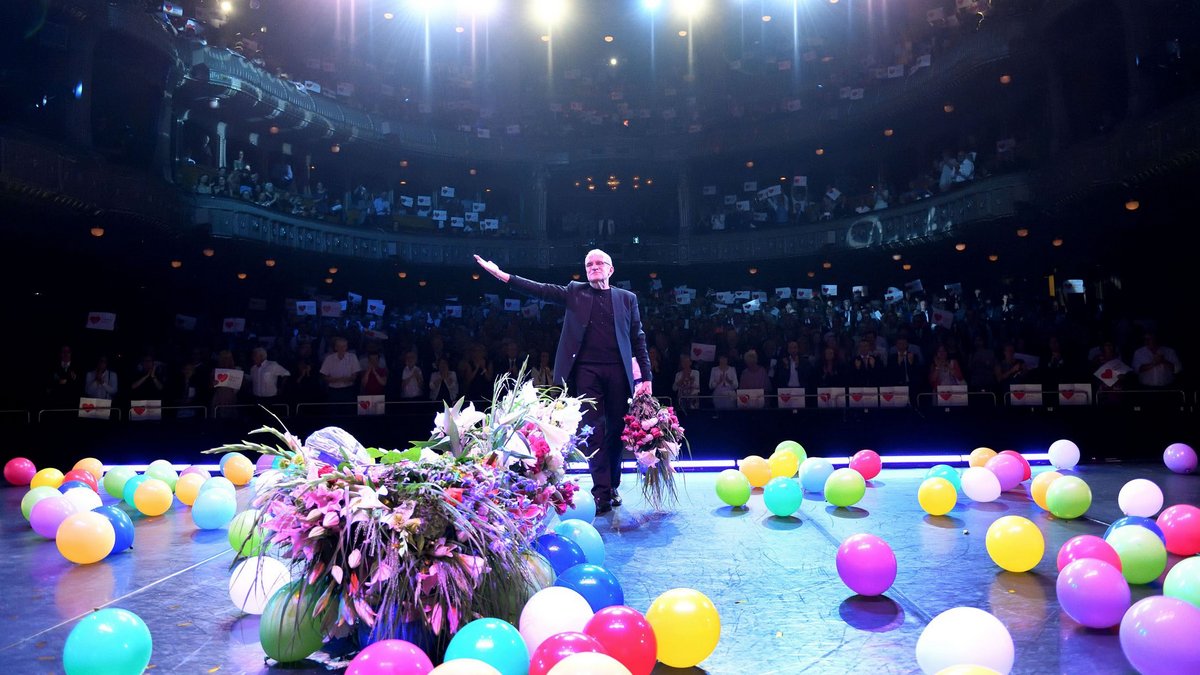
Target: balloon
[
  {"x": 49, "y": 513},
  {"x": 551, "y": 611},
  {"x": 48, "y": 477},
  {"x": 980, "y": 485},
  {"x": 153, "y": 497},
  {"x": 1015, "y": 543},
  {"x": 1141, "y": 522},
  {"x": 784, "y": 463},
  {"x": 586, "y": 537},
  {"x": 965, "y": 635},
  {"x": 228, "y": 456},
  {"x": 84, "y": 498},
  {"x": 114, "y": 481},
  {"x": 110, "y": 640},
  {"x": 794, "y": 448},
  {"x": 686, "y": 626},
  {"x": 626, "y": 636},
  {"x": 867, "y": 463},
  {"x": 814, "y": 471},
  {"x": 1140, "y": 497},
  {"x": 1087, "y": 546},
  {"x": 1008, "y": 471},
  {"x": 288, "y": 630},
  {"x": 562, "y": 553},
  {"x": 239, "y": 470},
  {"x": 1158, "y": 636},
  {"x": 71, "y": 485},
  {"x": 464, "y": 667},
  {"x": 1180, "y": 524},
  {"x": 79, "y": 475},
  {"x": 1143, "y": 555},
  {"x": 558, "y": 647},
  {"x": 967, "y": 669},
  {"x": 733, "y": 488},
  {"x": 245, "y": 537},
  {"x": 1093, "y": 593},
  {"x": 937, "y": 496},
  {"x": 164, "y": 472},
  {"x": 122, "y": 526},
  {"x": 492, "y": 641},
  {"x": 188, "y": 487},
  {"x": 948, "y": 472},
  {"x": 1039, "y": 486},
  {"x": 390, "y": 657},
  {"x": 34, "y": 496},
  {"x": 92, "y": 466},
  {"x": 131, "y": 487},
  {"x": 1180, "y": 458},
  {"x": 756, "y": 469},
  {"x": 1028, "y": 470},
  {"x": 1068, "y": 497},
  {"x": 597, "y": 585},
  {"x": 203, "y": 473},
  {"x": 19, "y": 471},
  {"x": 1064, "y": 454},
  {"x": 218, "y": 483},
  {"x": 214, "y": 509},
  {"x": 255, "y": 581},
  {"x": 1183, "y": 581},
  {"x": 264, "y": 463},
  {"x": 782, "y": 496},
  {"x": 584, "y": 508},
  {"x": 979, "y": 457},
  {"x": 845, "y": 487},
  {"x": 588, "y": 663},
  {"x": 85, "y": 538},
  {"x": 866, "y": 564}
]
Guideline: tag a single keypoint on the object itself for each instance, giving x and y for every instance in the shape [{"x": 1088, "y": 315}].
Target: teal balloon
[
  {"x": 213, "y": 509},
  {"x": 733, "y": 487},
  {"x": 131, "y": 487},
  {"x": 782, "y": 496},
  {"x": 111, "y": 641},
  {"x": 948, "y": 472},
  {"x": 586, "y": 536},
  {"x": 114, "y": 481},
  {"x": 288, "y": 630},
  {"x": 218, "y": 483},
  {"x": 845, "y": 487},
  {"x": 493, "y": 641},
  {"x": 814, "y": 471},
  {"x": 34, "y": 496}
]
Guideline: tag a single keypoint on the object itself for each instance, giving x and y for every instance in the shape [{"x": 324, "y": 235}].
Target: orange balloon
[
  {"x": 92, "y": 466},
  {"x": 1039, "y": 486},
  {"x": 187, "y": 487},
  {"x": 85, "y": 538},
  {"x": 980, "y": 456},
  {"x": 153, "y": 497},
  {"x": 756, "y": 469},
  {"x": 239, "y": 470}
]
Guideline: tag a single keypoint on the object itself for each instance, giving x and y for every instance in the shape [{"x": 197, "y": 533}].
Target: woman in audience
[
  {"x": 443, "y": 382},
  {"x": 944, "y": 370}
]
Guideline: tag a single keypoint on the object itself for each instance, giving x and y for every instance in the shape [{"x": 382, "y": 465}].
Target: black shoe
[
  {"x": 603, "y": 508},
  {"x": 616, "y": 498}
]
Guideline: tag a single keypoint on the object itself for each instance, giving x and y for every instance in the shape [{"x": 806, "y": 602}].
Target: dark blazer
[{"x": 576, "y": 297}]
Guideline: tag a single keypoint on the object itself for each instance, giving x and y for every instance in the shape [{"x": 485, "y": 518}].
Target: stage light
[
  {"x": 906, "y": 267},
  {"x": 226, "y": 7},
  {"x": 1022, "y": 232},
  {"x": 612, "y": 61},
  {"x": 459, "y": 29},
  {"x": 766, "y": 18},
  {"x": 422, "y": 283},
  {"x": 826, "y": 265},
  {"x": 549, "y": 11},
  {"x": 404, "y": 164},
  {"x": 424, "y": 7},
  {"x": 651, "y": 5},
  {"x": 545, "y": 38},
  {"x": 479, "y": 7},
  {"x": 269, "y": 262},
  {"x": 241, "y": 275},
  {"x": 1132, "y": 204},
  {"x": 889, "y": 132},
  {"x": 993, "y": 257},
  {"x": 689, "y": 8},
  {"x": 176, "y": 264},
  {"x": 329, "y": 280},
  {"x": 388, "y": 16}
]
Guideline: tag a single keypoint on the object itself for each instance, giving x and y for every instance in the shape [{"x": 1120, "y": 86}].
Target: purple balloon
[
  {"x": 1180, "y": 458},
  {"x": 48, "y": 514},
  {"x": 1158, "y": 636},
  {"x": 1008, "y": 469},
  {"x": 866, "y": 564},
  {"x": 263, "y": 463},
  {"x": 196, "y": 470},
  {"x": 1093, "y": 592}
]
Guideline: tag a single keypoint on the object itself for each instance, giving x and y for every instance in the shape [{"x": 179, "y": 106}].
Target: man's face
[
  {"x": 259, "y": 357},
  {"x": 598, "y": 268}
]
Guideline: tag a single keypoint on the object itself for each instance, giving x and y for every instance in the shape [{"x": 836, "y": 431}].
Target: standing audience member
[
  {"x": 265, "y": 377},
  {"x": 223, "y": 395},
  {"x": 340, "y": 370},
  {"x": 687, "y": 383},
  {"x": 148, "y": 387},
  {"x": 723, "y": 383},
  {"x": 101, "y": 382},
  {"x": 65, "y": 384},
  {"x": 1156, "y": 365},
  {"x": 443, "y": 383},
  {"x": 375, "y": 378}
]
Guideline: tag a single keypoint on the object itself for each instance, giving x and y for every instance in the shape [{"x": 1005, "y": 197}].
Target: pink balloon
[
  {"x": 867, "y": 463},
  {"x": 19, "y": 471},
  {"x": 1087, "y": 546},
  {"x": 390, "y": 657},
  {"x": 1007, "y": 469},
  {"x": 1158, "y": 636},
  {"x": 626, "y": 636},
  {"x": 1024, "y": 462},
  {"x": 196, "y": 470},
  {"x": 1181, "y": 526},
  {"x": 866, "y": 564},
  {"x": 1180, "y": 458},
  {"x": 49, "y": 513},
  {"x": 1093, "y": 593},
  {"x": 558, "y": 647}
]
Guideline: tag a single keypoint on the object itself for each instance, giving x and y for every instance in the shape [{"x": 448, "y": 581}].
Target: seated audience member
[
  {"x": 904, "y": 365},
  {"x": 1156, "y": 365},
  {"x": 754, "y": 376},
  {"x": 830, "y": 372}
]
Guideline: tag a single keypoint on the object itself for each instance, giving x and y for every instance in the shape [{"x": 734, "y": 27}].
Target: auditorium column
[
  {"x": 221, "y": 144},
  {"x": 540, "y": 175},
  {"x": 683, "y": 191}
]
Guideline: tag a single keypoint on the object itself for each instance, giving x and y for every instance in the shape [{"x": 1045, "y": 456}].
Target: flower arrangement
[
  {"x": 654, "y": 436},
  {"x": 431, "y": 537}
]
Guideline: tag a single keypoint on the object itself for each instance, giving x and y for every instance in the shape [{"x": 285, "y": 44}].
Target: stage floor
[{"x": 773, "y": 580}]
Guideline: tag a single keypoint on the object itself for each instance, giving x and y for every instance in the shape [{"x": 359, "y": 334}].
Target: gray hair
[{"x": 596, "y": 251}]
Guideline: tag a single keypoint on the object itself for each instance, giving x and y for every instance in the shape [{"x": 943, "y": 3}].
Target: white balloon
[
  {"x": 254, "y": 581},
  {"x": 965, "y": 636},
  {"x": 1139, "y": 497},
  {"x": 1064, "y": 454},
  {"x": 980, "y": 485},
  {"x": 266, "y": 480},
  {"x": 464, "y": 667},
  {"x": 552, "y": 611},
  {"x": 83, "y": 498}
]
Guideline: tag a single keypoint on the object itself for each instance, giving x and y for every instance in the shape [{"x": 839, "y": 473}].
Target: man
[
  {"x": 65, "y": 383},
  {"x": 601, "y": 354},
  {"x": 340, "y": 369},
  {"x": 1156, "y": 365},
  {"x": 265, "y": 376}
]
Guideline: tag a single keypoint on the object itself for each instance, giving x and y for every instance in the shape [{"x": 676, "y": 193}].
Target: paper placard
[
  {"x": 1025, "y": 394},
  {"x": 354, "y": 298},
  {"x": 94, "y": 408},
  {"x": 185, "y": 322},
  {"x": 914, "y": 286},
  {"x": 233, "y": 325},
  {"x": 512, "y": 305},
  {"x": 804, "y": 294},
  {"x": 1073, "y": 286},
  {"x": 331, "y": 308},
  {"x": 829, "y": 289},
  {"x": 1112, "y": 371},
  {"x": 306, "y": 308},
  {"x": 952, "y": 394},
  {"x": 1031, "y": 362},
  {"x": 101, "y": 321},
  {"x": 730, "y": 200},
  {"x": 893, "y": 294},
  {"x": 831, "y": 397},
  {"x": 863, "y": 397},
  {"x": 893, "y": 397},
  {"x": 1075, "y": 394},
  {"x": 447, "y": 191},
  {"x": 375, "y": 307},
  {"x": 784, "y": 293},
  {"x": 471, "y": 217},
  {"x": 406, "y": 202},
  {"x": 709, "y": 190},
  {"x": 370, "y": 405},
  {"x": 372, "y": 334},
  {"x": 791, "y": 397},
  {"x": 439, "y": 214},
  {"x": 703, "y": 352},
  {"x": 456, "y": 221},
  {"x": 751, "y": 399},
  {"x": 454, "y": 311},
  {"x": 682, "y": 297},
  {"x": 424, "y": 200},
  {"x": 490, "y": 224},
  {"x": 941, "y": 317},
  {"x": 750, "y": 186},
  {"x": 145, "y": 410},
  {"x": 230, "y": 378}
]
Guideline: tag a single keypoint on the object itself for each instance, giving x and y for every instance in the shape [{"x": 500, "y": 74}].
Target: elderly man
[
  {"x": 601, "y": 354},
  {"x": 265, "y": 376}
]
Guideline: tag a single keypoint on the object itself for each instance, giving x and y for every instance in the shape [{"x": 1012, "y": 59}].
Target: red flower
[
  {"x": 454, "y": 495},
  {"x": 324, "y": 471}
]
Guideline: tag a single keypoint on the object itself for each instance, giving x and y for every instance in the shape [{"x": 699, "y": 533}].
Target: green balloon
[
  {"x": 287, "y": 630},
  {"x": 1069, "y": 497},
  {"x": 783, "y": 496},
  {"x": 845, "y": 487},
  {"x": 1143, "y": 555},
  {"x": 114, "y": 481},
  {"x": 733, "y": 488},
  {"x": 795, "y": 447},
  {"x": 1183, "y": 581},
  {"x": 245, "y": 538},
  {"x": 34, "y": 496},
  {"x": 110, "y": 641},
  {"x": 163, "y": 472}
]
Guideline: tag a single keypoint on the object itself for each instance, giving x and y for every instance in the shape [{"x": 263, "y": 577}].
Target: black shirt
[{"x": 600, "y": 338}]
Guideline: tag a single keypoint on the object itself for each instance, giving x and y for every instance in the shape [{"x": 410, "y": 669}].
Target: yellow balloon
[
  {"x": 464, "y": 667},
  {"x": 937, "y": 496},
  {"x": 980, "y": 456},
  {"x": 239, "y": 470},
  {"x": 1039, "y": 486},
  {"x": 1015, "y": 543},
  {"x": 47, "y": 477},
  {"x": 783, "y": 463},
  {"x": 153, "y": 497},
  {"x": 90, "y": 465},
  {"x": 589, "y": 663},
  {"x": 756, "y": 470},
  {"x": 85, "y": 538},
  {"x": 686, "y": 625},
  {"x": 967, "y": 669},
  {"x": 187, "y": 487}
]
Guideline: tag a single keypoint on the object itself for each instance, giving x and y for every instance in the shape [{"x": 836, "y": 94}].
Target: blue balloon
[
  {"x": 1147, "y": 523},
  {"x": 213, "y": 509},
  {"x": 218, "y": 483},
  {"x": 586, "y": 536},
  {"x": 122, "y": 526},
  {"x": 584, "y": 509},
  {"x": 562, "y": 553},
  {"x": 73, "y": 484},
  {"x": 814, "y": 471},
  {"x": 493, "y": 641},
  {"x": 948, "y": 472},
  {"x": 131, "y": 487},
  {"x": 782, "y": 496},
  {"x": 597, "y": 585}
]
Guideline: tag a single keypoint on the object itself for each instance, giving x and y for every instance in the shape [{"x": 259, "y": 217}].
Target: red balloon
[
  {"x": 1024, "y": 462},
  {"x": 1181, "y": 526},
  {"x": 626, "y": 636},
  {"x": 19, "y": 471},
  {"x": 867, "y": 463},
  {"x": 84, "y": 476},
  {"x": 558, "y": 647},
  {"x": 1087, "y": 546}
]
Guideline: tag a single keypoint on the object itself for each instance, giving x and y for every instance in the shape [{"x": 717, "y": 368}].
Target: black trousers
[{"x": 608, "y": 386}]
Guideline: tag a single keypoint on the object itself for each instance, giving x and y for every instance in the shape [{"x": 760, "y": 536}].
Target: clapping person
[
  {"x": 443, "y": 382},
  {"x": 375, "y": 377},
  {"x": 101, "y": 382}
]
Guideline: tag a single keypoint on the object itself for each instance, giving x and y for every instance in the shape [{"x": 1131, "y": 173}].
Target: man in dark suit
[{"x": 601, "y": 354}]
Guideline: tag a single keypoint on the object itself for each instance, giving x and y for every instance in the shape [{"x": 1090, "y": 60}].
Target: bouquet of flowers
[{"x": 653, "y": 434}]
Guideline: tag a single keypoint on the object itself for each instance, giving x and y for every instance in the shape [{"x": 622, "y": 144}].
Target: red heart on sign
[
  {"x": 745, "y": 398},
  {"x": 139, "y": 410},
  {"x": 1067, "y": 394},
  {"x": 364, "y": 404},
  {"x": 229, "y": 324},
  {"x": 1107, "y": 374},
  {"x": 221, "y": 377},
  {"x": 945, "y": 395},
  {"x": 696, "y": 351},
  {"x": 887, "y": 397},
  {"x": 825, "y": 397},
  {"x": 856, "y": 397},
  {"x": 1018, "y": 395},
  {"x": 785, "y": 397},
  {"x": 89, "y": 407},
  {"x": 93, "y": 318}
]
